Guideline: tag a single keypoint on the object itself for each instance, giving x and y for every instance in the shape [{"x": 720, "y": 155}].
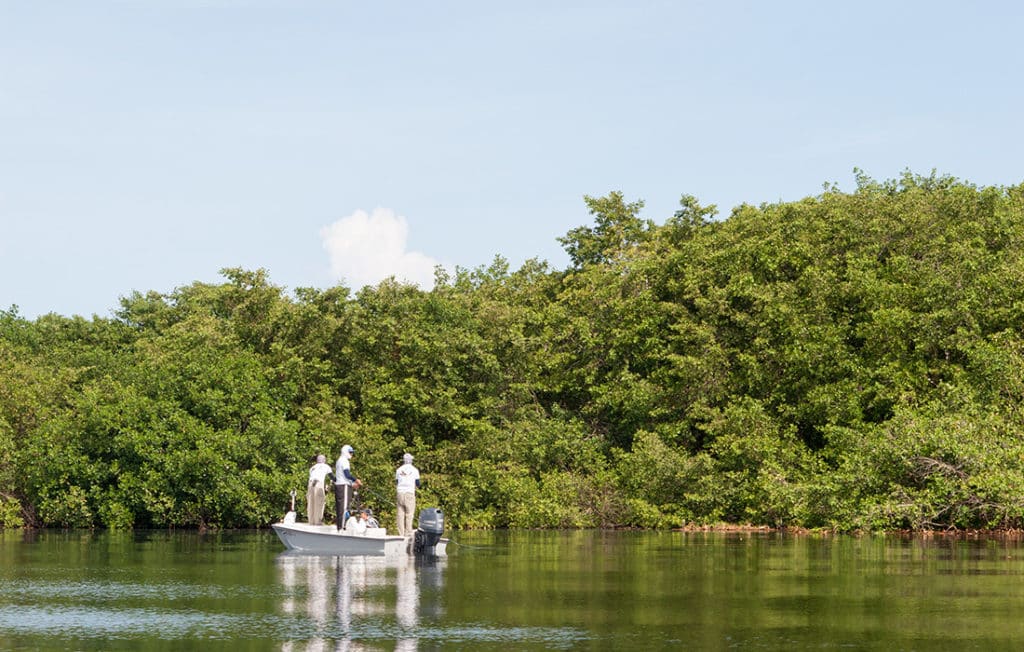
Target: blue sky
[{"x": 147, "y": 144}]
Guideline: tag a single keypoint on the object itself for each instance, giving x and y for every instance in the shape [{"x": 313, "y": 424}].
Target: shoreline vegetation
[
  {"x": 848, "y": 362},
  {"x": 955, "y": 533}
]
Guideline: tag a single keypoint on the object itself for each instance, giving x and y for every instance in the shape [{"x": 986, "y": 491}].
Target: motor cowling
[{"x": 429, "y": 531}]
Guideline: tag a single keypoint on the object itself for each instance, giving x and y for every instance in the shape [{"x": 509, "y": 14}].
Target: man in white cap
[
  {"x": 316, "y": 489},
  {"x": 407, "y": 480},
  {"x": 345, "y": 485},
  {"x": 357, "y": 523}
]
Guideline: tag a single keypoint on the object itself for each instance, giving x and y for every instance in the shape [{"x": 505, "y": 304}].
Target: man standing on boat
[
  {"x": 407, "y": 481},
  {"x": 316, "y": 490},
  {"x": 345, "y": 485}
]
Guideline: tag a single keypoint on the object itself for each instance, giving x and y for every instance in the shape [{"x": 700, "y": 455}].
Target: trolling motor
[{"x": 431, "y": 527}]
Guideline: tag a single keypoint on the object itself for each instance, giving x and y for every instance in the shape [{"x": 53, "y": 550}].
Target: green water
[{"x": 512, "y": 591}]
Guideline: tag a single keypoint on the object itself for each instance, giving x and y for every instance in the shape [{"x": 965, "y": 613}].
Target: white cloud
[{"x": 365, "y": 249}]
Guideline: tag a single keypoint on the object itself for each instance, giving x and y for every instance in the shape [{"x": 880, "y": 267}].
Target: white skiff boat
[{"x": 327, "y": 539}]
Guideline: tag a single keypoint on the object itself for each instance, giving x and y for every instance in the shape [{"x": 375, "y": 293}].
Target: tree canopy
[{"x": 853, "y": 360}]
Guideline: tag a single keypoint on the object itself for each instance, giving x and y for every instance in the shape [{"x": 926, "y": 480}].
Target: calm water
[{"x": 512, "y": 591}]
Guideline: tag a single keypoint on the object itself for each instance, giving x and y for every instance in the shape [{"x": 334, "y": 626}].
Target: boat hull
[{"x": 326, "y": 539}]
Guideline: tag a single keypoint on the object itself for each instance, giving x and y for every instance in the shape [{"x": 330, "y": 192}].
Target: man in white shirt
[
  {"x": 316, "y": 490},
  {"x": 357, "y": 523},
  {"x": 407, "y": 480}
]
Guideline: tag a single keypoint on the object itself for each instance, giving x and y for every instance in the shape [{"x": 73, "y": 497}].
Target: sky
[{"x": 148, "y": 144}]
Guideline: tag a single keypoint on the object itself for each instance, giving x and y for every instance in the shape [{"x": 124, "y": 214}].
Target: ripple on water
[
  {"x": 127, "y": 623},
  {"x": 106, "y": 590}
]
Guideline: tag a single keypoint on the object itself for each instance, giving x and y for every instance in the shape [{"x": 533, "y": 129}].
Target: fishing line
[
  {"x": 466, "y": 545},
  {"x": 382, "y": 498}
]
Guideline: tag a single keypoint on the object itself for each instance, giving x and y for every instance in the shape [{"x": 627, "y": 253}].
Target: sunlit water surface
[{"x": 512, "y": 591}]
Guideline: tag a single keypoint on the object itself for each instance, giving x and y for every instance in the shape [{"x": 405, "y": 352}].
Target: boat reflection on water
[{"x": 358, "y": 602}]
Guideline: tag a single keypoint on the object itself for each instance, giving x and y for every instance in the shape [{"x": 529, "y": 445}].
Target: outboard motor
[{"x": 431, "y": 527}]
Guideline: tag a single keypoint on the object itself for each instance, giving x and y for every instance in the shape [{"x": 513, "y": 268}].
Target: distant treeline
[{"x": 847, "y": 361}]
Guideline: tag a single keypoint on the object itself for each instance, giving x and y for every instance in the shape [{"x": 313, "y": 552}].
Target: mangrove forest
[{"x": 849, "y": 361}]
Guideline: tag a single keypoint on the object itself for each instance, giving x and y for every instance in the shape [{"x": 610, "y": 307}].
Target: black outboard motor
[{"x": 431, "y": 527}]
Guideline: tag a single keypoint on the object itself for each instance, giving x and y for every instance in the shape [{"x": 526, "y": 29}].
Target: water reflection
[
  {"x": 524, "y": 591},
  {"x": 358, "y": 603}
]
